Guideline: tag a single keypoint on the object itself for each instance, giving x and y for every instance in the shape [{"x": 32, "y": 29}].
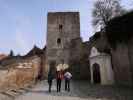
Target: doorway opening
[
  {"x": 96, "y": 73},
  {"x": 52, "y": 67}
]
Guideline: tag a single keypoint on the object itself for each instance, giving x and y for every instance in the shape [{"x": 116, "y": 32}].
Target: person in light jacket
[{"x": 67, "y": 77}]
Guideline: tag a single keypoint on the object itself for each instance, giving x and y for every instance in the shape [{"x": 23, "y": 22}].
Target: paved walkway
[
  {"x": 79, "y": 91},
  {"x": 40, "y": 92}
]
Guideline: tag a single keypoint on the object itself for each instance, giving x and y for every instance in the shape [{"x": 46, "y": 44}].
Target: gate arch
[{"x": 96, "y": 73}]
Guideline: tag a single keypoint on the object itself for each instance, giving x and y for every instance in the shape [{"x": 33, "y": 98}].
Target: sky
[{"x": 23, "y": 23}]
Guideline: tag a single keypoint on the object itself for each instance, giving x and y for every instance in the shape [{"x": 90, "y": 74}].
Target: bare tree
[{"x": 104, "y": 10}]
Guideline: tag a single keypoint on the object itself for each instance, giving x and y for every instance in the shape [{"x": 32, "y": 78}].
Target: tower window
[
  {"x": 60, "y": 27},
  {"x": 58, "y": 41}
]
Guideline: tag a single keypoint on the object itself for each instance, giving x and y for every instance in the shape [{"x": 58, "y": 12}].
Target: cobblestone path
[{"x": 79, "y": 91}]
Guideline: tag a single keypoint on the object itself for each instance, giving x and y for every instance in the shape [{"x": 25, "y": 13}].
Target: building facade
[
  {"x": 101, "y": 67},
  {"x": 62, "y": 28}
]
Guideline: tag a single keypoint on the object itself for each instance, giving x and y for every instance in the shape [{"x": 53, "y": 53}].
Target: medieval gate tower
[{"x": 62, "y": 27}]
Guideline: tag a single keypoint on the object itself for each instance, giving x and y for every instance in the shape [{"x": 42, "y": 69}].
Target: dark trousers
[
  {"x": 50, "y": 84},
  {"x": 67, "y": 84},
  {"x": 58, "y": 85}
]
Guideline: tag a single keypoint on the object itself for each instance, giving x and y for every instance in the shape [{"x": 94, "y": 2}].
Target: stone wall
[
  {"x": 85, "y": 66},
  {"x": 35, "y": 51},
  {"x": 62, "y": 27},
  {"x": 44, "y": 68},
  {"x": 121, "y": 57},
  {"x": 20, "y": 74},
  {"x": 121, "y": 65},
  {"x": 130, "y": 53},
  {"x": 79, "y": 63}
]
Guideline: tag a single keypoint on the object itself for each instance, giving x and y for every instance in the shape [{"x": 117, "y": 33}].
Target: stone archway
[{"x": 96, "y": 73}]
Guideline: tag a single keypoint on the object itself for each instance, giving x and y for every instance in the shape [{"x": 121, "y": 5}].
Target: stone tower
[{"x": 62, "y": 27}]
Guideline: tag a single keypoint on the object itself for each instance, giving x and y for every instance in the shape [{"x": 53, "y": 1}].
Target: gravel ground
[
  {"x": 103, "y": 92},
  {"x": 80, "y": 90}
]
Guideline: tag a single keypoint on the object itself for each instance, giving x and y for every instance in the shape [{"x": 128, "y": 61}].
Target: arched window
[
  {"x": 60, "y": 27},
  {"x": 58, "y": 41}
]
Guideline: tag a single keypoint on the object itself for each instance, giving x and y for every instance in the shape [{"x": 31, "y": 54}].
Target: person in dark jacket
[{"x": 50, "y": 79}]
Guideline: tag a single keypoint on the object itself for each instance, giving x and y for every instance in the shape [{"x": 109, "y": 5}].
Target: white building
[{"x": 100, "y": 67}]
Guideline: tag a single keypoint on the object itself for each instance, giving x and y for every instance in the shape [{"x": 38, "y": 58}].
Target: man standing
[
  {"x": 68, "y": 77},
  {"x": 50, "y": 79}
]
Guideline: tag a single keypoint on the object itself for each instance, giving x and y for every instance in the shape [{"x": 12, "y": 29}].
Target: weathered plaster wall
[
  {"x": 20, "y": 76},
  {"x": 104, "y": 62}
]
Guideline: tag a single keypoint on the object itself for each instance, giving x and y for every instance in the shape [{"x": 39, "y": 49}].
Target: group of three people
[{"x": 60, "y": 75}]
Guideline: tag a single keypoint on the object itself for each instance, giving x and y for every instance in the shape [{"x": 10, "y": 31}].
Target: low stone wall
[{"x": 20, "y": 76}]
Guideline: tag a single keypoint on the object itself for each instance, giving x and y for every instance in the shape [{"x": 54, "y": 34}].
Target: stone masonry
[{"x": 62, "y": 27}]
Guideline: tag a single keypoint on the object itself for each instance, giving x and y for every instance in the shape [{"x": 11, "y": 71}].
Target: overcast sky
[{"x": 23, "y": 22}]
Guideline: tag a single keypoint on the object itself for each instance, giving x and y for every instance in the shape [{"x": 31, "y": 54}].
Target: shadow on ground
[{"x": 104, "y": 92}]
